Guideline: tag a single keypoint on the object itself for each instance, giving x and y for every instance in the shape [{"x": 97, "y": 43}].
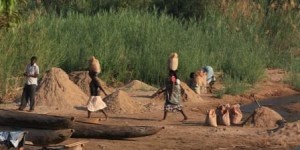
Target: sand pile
[
  {"x": 82, "y": 79},
  {"x": 138, "y": 85},
  {"x": 57, "y": 91},
  {"x": 265, "y": 117},
  {"x": 187, "y": 94},
  {"x": 120, "y": 102}
]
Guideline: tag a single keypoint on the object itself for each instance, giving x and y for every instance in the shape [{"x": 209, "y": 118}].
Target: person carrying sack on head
[
  {"x": 173, "y": 96},
  {"x": 31, "y": 74},
  {"x": 172, "y": 89},
  {"x": 95, "y": 102}
]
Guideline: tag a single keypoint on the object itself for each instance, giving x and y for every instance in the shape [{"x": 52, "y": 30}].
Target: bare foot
[
  {"x": 103, "y": 119},
  {"x": 184, "y": 119},
  {"x": 19, "y": 109},
  {"x": 162, "y": 120}
]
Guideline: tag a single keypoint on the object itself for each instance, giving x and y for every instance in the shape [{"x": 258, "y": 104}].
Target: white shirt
[{"x": 32, "y": 70}]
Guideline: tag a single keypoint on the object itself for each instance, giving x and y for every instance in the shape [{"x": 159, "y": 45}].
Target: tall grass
[
  {"x": 293, "y": 77},
  {"x": 136, "y": 44}
]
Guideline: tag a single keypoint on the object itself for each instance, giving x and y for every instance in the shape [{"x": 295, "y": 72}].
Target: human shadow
[
  {"x": 189, "y": 123},
  {"x": 83, "y": 108},
  {"x": 143, "y": 96}
]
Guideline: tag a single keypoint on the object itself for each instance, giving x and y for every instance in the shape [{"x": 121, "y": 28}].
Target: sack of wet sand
[
  {"x": 236, "y": 114},
  {"x": 94, "y": 65},
  {"x": 173, "y": 61},
  {"x": 223, "y": 117},
  {"x": 211, "y": 118}
]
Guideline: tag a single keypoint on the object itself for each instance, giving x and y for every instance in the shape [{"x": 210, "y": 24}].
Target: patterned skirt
[{"x": 172, "y": 107}]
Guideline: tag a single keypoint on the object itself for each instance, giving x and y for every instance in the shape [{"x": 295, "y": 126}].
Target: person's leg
[
  {"x": 89, "y": 114},
  {"x": 32, "y": 96},
  {"x": 212, "y": 82},
  {"x": 165, "y": 115},
  {"x": 211, "y": 86},
  {"x": 24, "y": 98},
  {"x": 104, "y": 114},
  {"x": 184, "y": 115},
  {"x": 21, "y": 144},
  {"x": 21, "y": 148}
]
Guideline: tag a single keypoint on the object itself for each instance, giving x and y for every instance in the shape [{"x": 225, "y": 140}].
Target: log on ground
[
  {"x": 84, "y": 130},
  {"x": 36, "y": 121}
]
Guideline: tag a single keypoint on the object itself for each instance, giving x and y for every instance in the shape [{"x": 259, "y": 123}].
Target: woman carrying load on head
[
  {"x": 173, "y": 96},
  {"x": 172, "y": 89},
  {"x": 95, "y": 102}
]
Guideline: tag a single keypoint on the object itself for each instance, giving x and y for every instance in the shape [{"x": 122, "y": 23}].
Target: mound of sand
[
  {"x": 120, "y": 102},
  {"x": 138, "y": 85},
  {"x": 82, "y": 79},
  {"x": 57, "y": 91},
  {"x": 265, "y": 117},
  {"x": 187, "y": 94}
]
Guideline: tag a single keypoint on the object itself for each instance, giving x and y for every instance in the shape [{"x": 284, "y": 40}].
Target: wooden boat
[
  {"x": 84, "y": 130},
  {"x": 36, "y": 121},
  {"x": 88, "y": 120},
  {"x": 52, "y": 126}
]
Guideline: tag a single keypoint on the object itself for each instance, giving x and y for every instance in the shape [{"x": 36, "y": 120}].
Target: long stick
[
  {"x": 248, "y": 118},
  {"x": 252, "y": 95},
  {"x": 256, "y": 100},
  {"x": 257, "y": 103}
]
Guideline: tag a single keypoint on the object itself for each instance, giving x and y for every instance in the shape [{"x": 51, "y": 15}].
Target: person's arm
[
  {"x": 161, "y": 90},
  {"x": 102, "y": 90},
  {"x": 158, "y": 92},
  {"x": 33, "y": 76},
  {"x": 171, "y": 90},
  {"x": 25, "y": 71},
  {"x": 36, "y": 72}
]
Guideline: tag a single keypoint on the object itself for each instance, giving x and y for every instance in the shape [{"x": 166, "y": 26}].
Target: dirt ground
[{"x": 193, "y": 134}]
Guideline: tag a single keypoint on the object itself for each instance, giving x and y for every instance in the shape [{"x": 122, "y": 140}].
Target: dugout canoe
[
  {"x": 42, "y": 137},
  {"x": 32, "y": 120},
  {"x": 84, "y": 130}
]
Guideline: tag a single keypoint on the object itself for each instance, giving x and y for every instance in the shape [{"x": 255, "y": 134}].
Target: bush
[
  {"x": 219, "y": 93},
  {"x": 235, "y": 86},
  {"x": 293, "y": 77}
]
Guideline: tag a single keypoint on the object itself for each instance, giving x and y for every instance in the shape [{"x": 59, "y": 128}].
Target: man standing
[{"x": 31, "y": 74}]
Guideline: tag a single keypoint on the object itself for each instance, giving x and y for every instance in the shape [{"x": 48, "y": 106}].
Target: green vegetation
[
  {"x": 293, "y": 77},
  {"x": 219, "y": 93},
  {"x": 135, "y": 43},
  {"x": 10, "y": 12}
]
